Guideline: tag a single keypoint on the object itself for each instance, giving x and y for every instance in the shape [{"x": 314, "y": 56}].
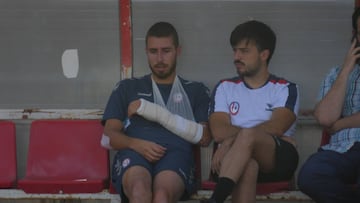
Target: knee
[
  {"x": 307, "y": 179},
  {"x": 138, "y": 191},
  {"x": 246, "y": 137},
  {"x": 161, "y": 196}
]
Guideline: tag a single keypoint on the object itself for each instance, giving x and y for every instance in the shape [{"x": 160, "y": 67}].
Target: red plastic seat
[
  {"x": 261, "y": 188},
  {"x": 7, "y": 154},
  {"x": 65, "y": 156},
  {"x": 325, "y": 138}
]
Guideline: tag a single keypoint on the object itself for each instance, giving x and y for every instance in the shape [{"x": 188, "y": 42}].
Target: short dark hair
[
  {"x": 355, "y": 17},
  {"x": 163, "y": 29},
  {"x": 258, "y": 32}
]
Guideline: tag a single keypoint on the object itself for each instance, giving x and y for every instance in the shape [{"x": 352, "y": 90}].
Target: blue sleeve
[
  {"x": 214, "y": 101},
  {"x": 116, "y": 107}
]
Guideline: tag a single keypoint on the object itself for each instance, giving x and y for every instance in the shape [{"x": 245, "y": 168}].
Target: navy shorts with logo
[{"x": 178, "y": 161}]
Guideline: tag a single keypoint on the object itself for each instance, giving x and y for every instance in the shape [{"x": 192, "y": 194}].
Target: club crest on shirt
[
  {"x": 234, "y": 108},
  {"x": 178, "y": 97}
]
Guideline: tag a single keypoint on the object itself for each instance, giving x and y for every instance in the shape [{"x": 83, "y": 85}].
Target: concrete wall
[
  {"x": 34, "y": 36},
  {"x": 312, "y": 37}
]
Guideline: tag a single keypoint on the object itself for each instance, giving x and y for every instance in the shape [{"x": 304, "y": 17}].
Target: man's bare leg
[
  {"x": 137, "y": 185},
  {"x": 168, "y": 187},
  {"x": 245, "y": 190},
  {"x": 249, "y": 144}
]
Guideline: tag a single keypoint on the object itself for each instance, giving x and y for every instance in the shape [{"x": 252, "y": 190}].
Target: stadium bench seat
[
  {"x": 7, "y": 154},
  {"x": 65, "y": 156}
]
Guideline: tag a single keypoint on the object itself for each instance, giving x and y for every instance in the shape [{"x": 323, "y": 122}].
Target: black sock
[{"x": 223, "y": 189}]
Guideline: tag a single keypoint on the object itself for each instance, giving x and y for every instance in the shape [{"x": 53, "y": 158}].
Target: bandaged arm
[{"x": 186, "y": 129}]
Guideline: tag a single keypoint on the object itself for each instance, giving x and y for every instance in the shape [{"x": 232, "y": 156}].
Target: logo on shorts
[
  {"x": 125, "y": 162},
  {"x": 234, "y": 108},
  {"x": 183, "y": 173},
  {"x": 118, "y": 167}
]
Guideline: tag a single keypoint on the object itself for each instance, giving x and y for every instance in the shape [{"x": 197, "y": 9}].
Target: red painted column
[{"x": 126, "y": 48}]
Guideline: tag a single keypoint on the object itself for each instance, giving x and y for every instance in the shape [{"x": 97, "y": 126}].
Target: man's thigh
[
  {"x": 136, "y": 175},
  {"x": 170, "y": 183},
  {"x": 177, "y": 166},
  {"x": 328, "y": 163},
  {"x": 286, "y": 161},
  {"x": 264, "y": 150},
  {"x": 130, "y": 168}
]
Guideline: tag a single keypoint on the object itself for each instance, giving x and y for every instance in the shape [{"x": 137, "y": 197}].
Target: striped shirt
[{"x": 344, "y": 139}]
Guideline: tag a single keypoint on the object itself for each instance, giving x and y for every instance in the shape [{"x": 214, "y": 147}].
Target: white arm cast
[{"x": 188, "y": 130}]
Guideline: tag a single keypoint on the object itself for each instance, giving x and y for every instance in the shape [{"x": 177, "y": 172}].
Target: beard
[
  {"x": 248, "y": 73},
  {"x": 251, "y": 70},
  {"x": 166, "y": 72}
]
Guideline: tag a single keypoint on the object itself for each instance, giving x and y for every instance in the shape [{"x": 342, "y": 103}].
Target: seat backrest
[
  {"x": 325, "y": 138},
  {"x": 7, "y": 154},
  {"x": 67, "y": 149}
]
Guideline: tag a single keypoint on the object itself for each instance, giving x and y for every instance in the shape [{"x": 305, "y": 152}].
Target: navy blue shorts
[{"x": 175, "y": 160}]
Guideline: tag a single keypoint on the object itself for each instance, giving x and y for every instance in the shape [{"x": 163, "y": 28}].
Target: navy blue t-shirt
[{"x": 129, "y": 90}]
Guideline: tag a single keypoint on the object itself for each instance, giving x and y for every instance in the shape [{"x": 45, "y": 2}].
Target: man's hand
[
  {"x": 149, "y": 150},
  {"x": 218, "y": 157},
  {"x": 219, "y": 154},
  {"x": 351, "y": 57},
  {"x": 133, "y": 107},
  {"x": 206, "y": 137}
]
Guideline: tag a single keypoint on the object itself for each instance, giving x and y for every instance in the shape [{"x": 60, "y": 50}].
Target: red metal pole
[{"x": 126, "y": 49}]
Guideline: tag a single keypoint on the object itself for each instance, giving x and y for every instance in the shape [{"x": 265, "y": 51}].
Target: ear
[
  {"x": 265, "y": 54},
  {"x": 178, "y": 50}
]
